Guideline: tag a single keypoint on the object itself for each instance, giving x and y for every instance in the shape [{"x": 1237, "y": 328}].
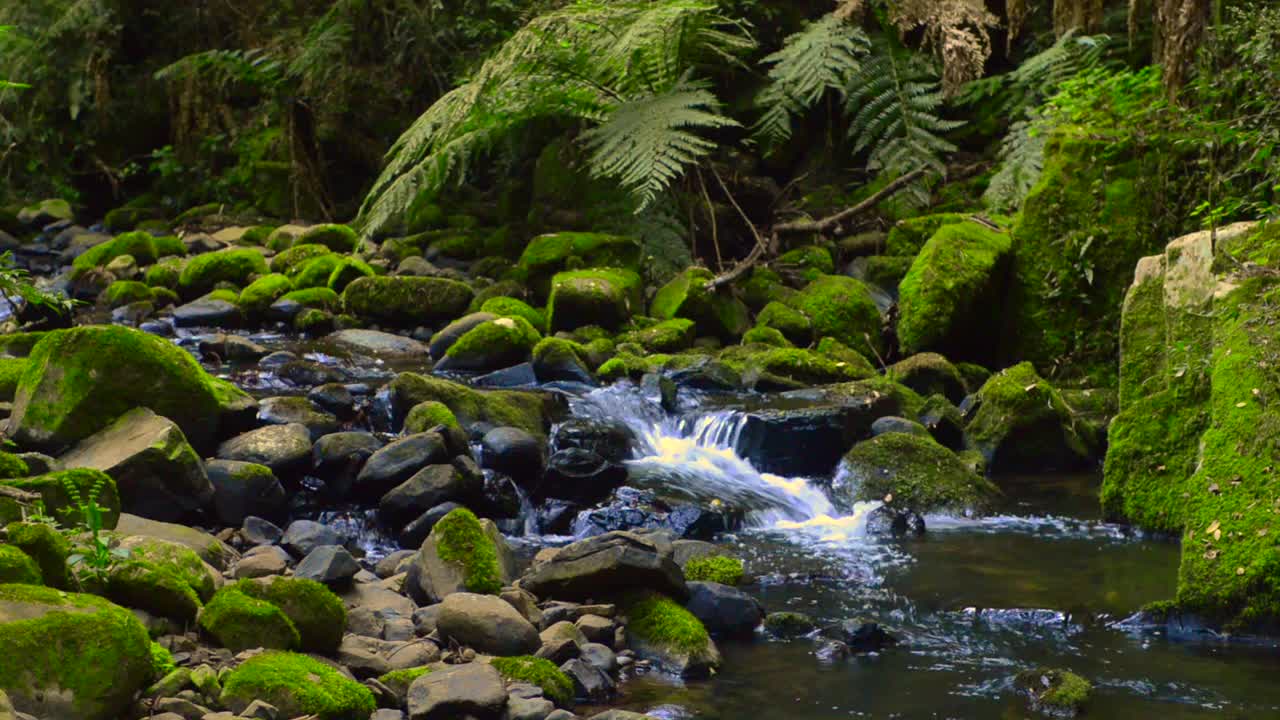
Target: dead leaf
[
  {"x": 1241, "y": 404},
  {"x": 1239, "y": 571},
  {"x": 1029, "y": 388},
  {"x": 888, "y": 498},
  {"x": 1214, "y": 489},
  {"x": 1263, "y": 532},
  {"x": 1217, "y": 534},
  {"x": 1211, "y": 555},
  {"x": 1213, "y": 526}
]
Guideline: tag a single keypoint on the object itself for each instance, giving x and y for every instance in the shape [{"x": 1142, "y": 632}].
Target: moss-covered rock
[
  {"x": 317, "y": 298},
  {"x": 46, "y": 212},
  {"x": 315, "y": 273},
  {"x": 80, "y": 380},
  {"x": 46, "y": 546},
  {"x": 556, "y": 685},
  {"x": 11, "y": 370},
  {"x": 659, "y": 629},
  {"x": 18, "y": 567},
  {"x": 929, "y": 374},
  {"x": 1022, "y": 423},
  {"x": 124, "y": 292},
  {"x": 240, "y": 622},
  {"x": 760, "y": 335},
  {"x": 407, "y": 301},
  {"x": 164, "y": 275},
  {"x": 427, "y": 415},
  {"x": 58, "y": 493},
  {"x": 792, "y": 323},
  {"x": 315, "y": 611},
  {"x": 204, "y": 273},
  {"x": 503, "y": 306},
  {"x": 912, "y": 472},
  {"x": 347, "y": 272},
  {"x": 297, "y": 685},
  {"x": 147, "y": 586},
  {"x": 338, "y": 238},
  {"x": 762, "y": 366},
  {"x": 808, "y": 262},
  {"x": 492, "y": 345},
  {"x": 81, "y": 656},
  {"x": 1055, "y": 693},
  {"x": 908, "y": 237},
  {"x": 459, "y": 539},
  {"x": 261, "y": 293},
  {"x": 547, "y": 255},
  {"x": 717, "y": 314},
  {"x": 764, "y": 286},
  {"x": 950, "y": 300},
  {"x": 289, "y": 260},
  {"x": 176, "y": 559},
  {"x": 841, "y": 308},
  {"x": 668, "y": 336},
  {"x": 142, "y": 247},
  {"x": 714, "y": 568},
  {"x": 887, "y": 271},
  {"x": 528, "y": 411},
  {"x": 606, "y": 297}
]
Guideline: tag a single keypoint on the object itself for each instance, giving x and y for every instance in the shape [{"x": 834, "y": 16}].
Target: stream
[{"x": 1043, "y": 581}]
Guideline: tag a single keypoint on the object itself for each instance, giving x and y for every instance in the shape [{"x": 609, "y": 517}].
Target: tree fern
[
  {"x": 586, "y": 61},
  {"x": 1021, "y": 162},
  {"x": 821, "y": 58},
  {"x": 893, "y": 103},
  {"x": 647, "y": 143}
]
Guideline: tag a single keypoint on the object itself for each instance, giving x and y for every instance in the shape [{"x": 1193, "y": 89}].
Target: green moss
[
  {"x": 264, "y": 291},
  {"x": 523, "y": 410},
  {"x": 789, "y": 624},
  {"x": 603, "y": 296},
  {"x": 314, "y": 273},
  {"x": 165, "y": 275},
  {"x": 916, "y": 471},
  {"x": 1022, "y": 421},
  {"x": 124, "y": 292},
  {"x": 625, "y": 365},
  {"x": 1055, "y": 692},
  {"x": 256, "y": 235},
  {"x": 462, "y": 541},
  {"x": 668, "y": 336},
  {"x": 156, "y": 589},
  {"x": 513, "y": 307},
  {"x": 287, "y": 261},
  {"x": 82, "y": 646},
  {"x": 887, "y": 271},
  {"x": 347, "y": 272},
  {"x": 659, "y": 620},
  {"x": 842, "y": 308},
  {"x": 947, "y": 301},
  {"x": 407, "y": 301},
  {"x": 765, "y": 336},
  {"x": 20, "y": 344},
  {"x": 764, "y": 286},
  {"x": 321, "y": 298},
  {"x": 714, "y": 568},
  {"x": 203, "y": 273},
  {"x": 126, "y": 218},
  {"x": 297, "y": 685},
  {"x": 424, "y": 416},
  {"x": 338, "y": 238},
  {"x": 928, "y": 374},
  {"x": 46, "y": 546},
  {"x": 717, "y": 314},
  {"x": 18, "y": 567},
  {"x": 315, "y": 611},
  {"x": 58, "y": 503},
  {"x": 908, "y": 237},
  {"x": 11, "y": 370},
  {"x": 811, "y": 261},
  {"x": 144, "y": 248},
  {"x": 494, "y": 344},
  {"x": 240, "y": 622},
  {"x": 400, "y": 680},
  {"x": 177, "y": 559},
  {"x": 168, "y": 246},
  {"x": 805, "y": 367},
  {"x": 556, "y": 685},
  {"x": 790, "y": 322},
  {"x": 549, "y": 254},
  {"x": 161, "y": 661}
]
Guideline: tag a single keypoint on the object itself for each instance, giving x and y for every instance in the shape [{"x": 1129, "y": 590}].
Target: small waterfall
[{"x": 696, "y": 456}]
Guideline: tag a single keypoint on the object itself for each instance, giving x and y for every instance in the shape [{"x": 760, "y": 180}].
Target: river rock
[
  {"x": 334, "y": 398},
  {"x": 416, "y": 532},
  {"x": 513, "y": 452},
  {"x": 378, "y": 344},
  {"x": 243, "y": 489},
  {"x": 257, "y": 531},
  {"x": 611, "y": 440},
  {"x": 209, "y": 548},
  {"x": 207, "y": 311},
  {"x": 303, "y": 536},
  {"x": 724, "y": 610},
  {"x": 451, "y": 333},
  {"x": 337, "y": 458},
  {"x": 407, "y": 302},
  {"x": 428, "y": 488},
  {"x": 911, "y": 472},
  {"x": 607, "y": 564},
  {"x": 486, "y": 623},
  {"x": 329, "y": 564},
  {"x": 289, "y": 410},
  {"x": 431, "y": 579},
  {"x": 398, "y": 462},
  {"x": 892, "y": 424},
  {"x": 589, "y": 682},
  {"x": 283, "y": 448},
  {"x": 1022, "y": 423},
  {"x": 157, "y": 473},
  {"x": 580, "y": 476},
  {"x": 230, "y": 348},
  {"x": 473, "y": 690}
]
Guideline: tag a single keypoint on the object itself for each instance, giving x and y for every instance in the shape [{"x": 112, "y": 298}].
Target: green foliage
[
  {"x": 16, "y": 285},
  {"x": 95, "y": 558},
  {"x": 715, "y": 568}
]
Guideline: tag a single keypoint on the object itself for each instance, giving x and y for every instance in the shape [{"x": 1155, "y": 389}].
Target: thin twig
[
  {"x": 756, "y": 253},
  {"x": 825, "y": 224},
  {"x": 715, "y": 226}
]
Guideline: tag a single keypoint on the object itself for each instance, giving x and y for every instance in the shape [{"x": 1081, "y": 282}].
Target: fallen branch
[
  {"x": 753, "y": 257},
  {"x": 825, "y": 224}
]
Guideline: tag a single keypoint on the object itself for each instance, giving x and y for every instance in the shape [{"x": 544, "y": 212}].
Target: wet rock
[
  {"x": 724, "y": 610},
  {"x": 307, "y": 374},
  {"x": 243, "y": 489},
  {"x": 428, "y": 488},
  {"x": 451, "y": 333},
  {"x": 944, "y": 422},
  {"x": 431, "y": 578},
  {"x": 580, "y": 476},
  {"x": 329, "y": 564},
  {"x": 895, "y": 522},
  {"x": 911, "y": 472},
  {"x": 516, "y": 376},
  {"x": 486, "y": 623},
  {"x": 1055, "y": 693},
  {"x": 416, "y": 532},
  {"x": 595, "y": 628},
  {"x": 609, "y": 439},
  {"x": 278, "y": 358},
  {"x": 257, "y": 531},
  {"x": 473, "y": 690},
  {"x": 660, "y": 390},
  {"x": 231, "y": 348},
  {"x": 589, "y": 682},
  {"x": 262, "y": 561},
  {"x": 555, "y": 517},
  {"x": 283, "y": 448},
  {"x": 632, "y": 509},
  {"x": 810, "y": 440},
  {"x": 378, "y": 344},
  {"x": 892, "y": 424},
  {"x": 928, "y": 374},
  {"x": 334, "y": 398},
  {"x": 513, "y": 452},
  {"x": 789, "y": 624},
  {"x": 1022, "y": 423},
  {"x": 605, "y": 564},
  {"x": 157, "y": 473},
  {"x": 303, "y": 536},
  {"x": 337, "y": 458},
  {"x": 601, "y": 656},
  {"x": 300, "y": 411},
  {"x": 398, "y": 462},
  {"x": 207, "y": 311}
]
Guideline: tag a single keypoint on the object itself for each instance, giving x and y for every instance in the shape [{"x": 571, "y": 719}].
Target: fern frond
[
  {"x": 894, "y": 108},
  {"x": 821, "y": 58},
  {"x": 322, "y": 50},
  {"x": 1021, "y": 162},
  {"x": 647, "y": 144}
]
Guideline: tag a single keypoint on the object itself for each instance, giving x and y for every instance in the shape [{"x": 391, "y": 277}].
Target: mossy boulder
[
  {"x": 661, "y": 630},
  {"x": 668, "y": 336},
  {"x": 793, "y": 324},
  {"x": 176, "y": 559},
  {"x": 842, "y": 308},
  {"x": 18, "y": 567},
  {"x": 314, "y": 610},
  {"x": 289, "y": 260},
  {"x": 760, "y": 335},
  {"x": 261, "y": 293},
  {"x": 1055, "y": 693},
  {"x": 717, "y": 314},
  {"x": 547, "y": 255},
  {"x": 338, "y": 238},
  {"x": 763, "y": 286},
  {"x": 492, "y": 345},
  {"x": 296, "y": 685},
  {"x": 153, "y": 588},
  {"x": 556, "y": 685},
  {"x": 514, "y": 307},
  {"x": 124, "y": 292},
  {"x": 929, "y": 374},
  {"x": 908, "y": 237},
  {"x": 606, "y": 297},
  {"x": 80, "y": 380},
  {"x": 11, "y": 370},
  {"x": 560, "y": 359},
  {"x": 46, "y": 546},
  {"x": 528, "y": 411},
  {"x": 45, "y": 212},
  {"x": 912, "y": 472},
  {"x": 951, "y": 299},
  {"x": 164, "y": 275},
  {"x": 1022, "y": 423},
  {"x": 58, "y": 500},
  {"x": 204, "y": 273},
  {"x": 347, "y": 272},
  {"x": 407, "y": 301},
  {"x": 462, "y": 554},
  {"x": 315, "y": 298},
  {"x": 82, "y": 658},
  {"x": 809, "y": 262},
  {"x": 427, "y": 415},
  {"x": 714, "y": 568},
  {"x": 791, "y": 368},
  {"x": 240, "y": 622},
  {"x": 314, "y": 273}
]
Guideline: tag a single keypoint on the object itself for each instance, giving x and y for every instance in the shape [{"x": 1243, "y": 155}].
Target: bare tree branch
[{"x": 825, "y": 224}]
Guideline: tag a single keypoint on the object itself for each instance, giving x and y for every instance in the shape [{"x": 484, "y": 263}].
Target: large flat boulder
[{"x": 607, "y": 564}]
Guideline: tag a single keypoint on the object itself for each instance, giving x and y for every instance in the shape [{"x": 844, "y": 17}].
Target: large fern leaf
[
  {"x": 1021, "y": 162},
  {"x": 648, "y": 143},
  {"x": 821, "y": 58},
  {"x": 894, "y": 104}
]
